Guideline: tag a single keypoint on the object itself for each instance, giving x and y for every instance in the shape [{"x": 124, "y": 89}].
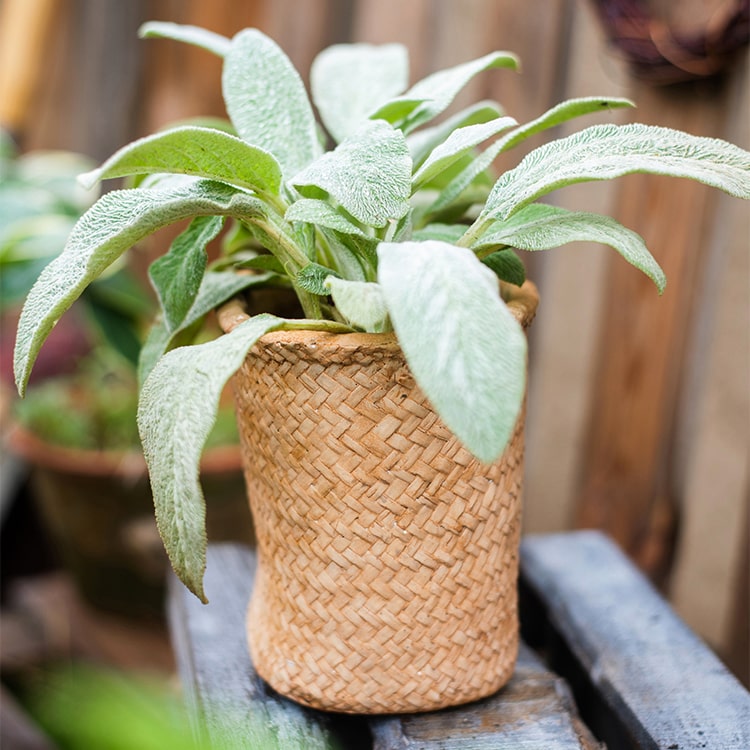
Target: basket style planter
[{"x": 388, "y": 555}]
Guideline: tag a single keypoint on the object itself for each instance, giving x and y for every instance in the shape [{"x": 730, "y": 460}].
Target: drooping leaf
[
  {"x": 184, "y": 388},
  {"x": 177, "y": 275},
  {"x": 216, "y": 288},
  {"x": 423, "y": 142},
  {"x": 465, "y": 349},
  {"x": 361, "y": 304},
  {"x": 542, "y": 227},
  {"x": 603, "y": 152},
  {"x": 507, "y": 266},
  {"x": 200, "y": 152},
  {"x": 267, "y": 102},
  {"x": 369, "y": 174},
  {"x": 112, "y": 225},
  {"x": 194, "y": 35},
  {"x": 556, "y": 116},
  {"x": 458, "y": 143},
  {"x": 349, "y": 81},
  {"x": 440, "y": 89}
]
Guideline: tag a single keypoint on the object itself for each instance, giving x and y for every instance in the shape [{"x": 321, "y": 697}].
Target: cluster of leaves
[{"x": 397, "y": 227}]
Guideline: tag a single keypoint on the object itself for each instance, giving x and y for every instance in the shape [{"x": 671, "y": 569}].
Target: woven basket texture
[{"x": 388, "y": 555}]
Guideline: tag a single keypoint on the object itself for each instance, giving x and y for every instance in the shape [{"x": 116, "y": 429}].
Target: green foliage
[{"x": 400, "y": 226}]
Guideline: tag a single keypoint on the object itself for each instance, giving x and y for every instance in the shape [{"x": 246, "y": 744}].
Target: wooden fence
[{"x": 639, "y": 416}]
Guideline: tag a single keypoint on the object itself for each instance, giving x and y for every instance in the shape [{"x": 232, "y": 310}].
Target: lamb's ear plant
[{"x": 398, "y": 226}]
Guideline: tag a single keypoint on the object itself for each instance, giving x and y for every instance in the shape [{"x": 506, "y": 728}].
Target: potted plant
[
  {"x": 76, "y": 429},
  {"x": 383, "y": 428}
]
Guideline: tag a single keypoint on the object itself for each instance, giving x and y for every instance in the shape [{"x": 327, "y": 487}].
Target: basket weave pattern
[{"x": 388, "y": 556}]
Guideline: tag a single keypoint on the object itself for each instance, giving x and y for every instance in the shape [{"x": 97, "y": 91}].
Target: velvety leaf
[
  {"x": 450, "y": 233},
  {"x": 312, "y": 279},
  {"x": 112, "y": 225},
  {"x": 603, "y": 152},
  {"x": 323, "y": 214},
  {"x": 423, "y": 142},
  {"x": 369, "y": 174},
  {"x": 360, "y": 303},
  {"x": 506, "y": 265},
  {"x": 350, "y": 81},
  {"x": 542, "y": 227},
  {"x": 201, "y": 152},
  {"x": 194, "y": 35},
  {"x": 177, "y": 275},
  {"x": 267, "y": 102},
  {"x": 178, "y": 407},
  {"x": 440, "y": 89},
  {"x": 216, "y": 288},
  {"x": 465, "y": 349},
  {"x": 397, "y": 110},
  {"x": 458, "y": 143},
  {"x": 551, "y": 118}
]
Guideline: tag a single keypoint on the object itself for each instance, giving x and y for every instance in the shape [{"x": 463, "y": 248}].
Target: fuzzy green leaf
[
  {"x": 312, "y": 279},
  {"x": 184, "y": 389},
  {"x": 450, "y": 233},
  {"x": 194, "y": 35},
  {"x": 465, "y": 349},
  {"x": 603, "y": 152},
  {"x": 112, "y": 225},
  {"x": 559, "y": 114},
  {"x": 458, "y": 143},
  {"x": 507, "y": 266},
  {"x": 322, "y": 214},
  {"x": 542, "y": 227},
  {"x": 360, "y": 303},
  {"x": 201, "y": 152},
  {"x": 177, "y": 275},
  {"x": 441, "y": 88},
  {"x": 267, "y": 102},
  {"x": 423, "y": 142},
  {"x": 216, "y": 288},
  {"x": 349, "y": 81},
  {"x": 369, "y": 174}
]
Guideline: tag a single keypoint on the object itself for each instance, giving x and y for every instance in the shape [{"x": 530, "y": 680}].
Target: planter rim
[
  {"x": 522, "y": 301},
  {"x": 34, "y": 449}
]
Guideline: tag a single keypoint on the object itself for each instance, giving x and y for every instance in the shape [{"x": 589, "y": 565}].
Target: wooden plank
[
  {"x": 658, "y": 685},
  {"x": 228, "y": 700},
  {"x": 535, "y": 710},
  {"x": 626, "y": 480}
]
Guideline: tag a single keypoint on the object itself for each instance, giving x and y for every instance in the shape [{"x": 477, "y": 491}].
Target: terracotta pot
[
  {"x": 98, "y": 510},
  {"x": 388, "y": 555}
]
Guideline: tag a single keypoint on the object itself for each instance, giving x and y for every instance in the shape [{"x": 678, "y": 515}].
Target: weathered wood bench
[{"x": 619, "y": 668}]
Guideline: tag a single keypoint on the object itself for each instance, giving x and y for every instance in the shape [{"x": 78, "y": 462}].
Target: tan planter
[
  {"x": 388, "y": 555},
  {"x": 98, "y": 511}
]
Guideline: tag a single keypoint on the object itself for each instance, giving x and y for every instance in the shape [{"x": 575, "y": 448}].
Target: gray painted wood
[
  {"x": 535, "y": 711},
  {"x": 231, "y": 705},
  {"x": 648, "y": 680}
]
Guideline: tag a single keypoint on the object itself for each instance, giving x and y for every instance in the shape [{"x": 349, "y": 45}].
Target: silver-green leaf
[
  {"x": 350, "y": 81},
  {"x": 360, "y": 303},
  {"x": 267, "y": 101},
  {"x": 458, "y": 143},
  {"x": 177, "y": 275},
  {"x": 603, "y": 152},
  {"x": 184, "y": 389},
  {"x": 542, "y": 227},
  {"x": 440, "y": 89},
  {"x": 201, "y": 152},
  {"x": 369, "y": 174},
  {"x": 112, "y": 225},
  {"x": 194, "y": 35},
  {"x": 463, "y": 345}
]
